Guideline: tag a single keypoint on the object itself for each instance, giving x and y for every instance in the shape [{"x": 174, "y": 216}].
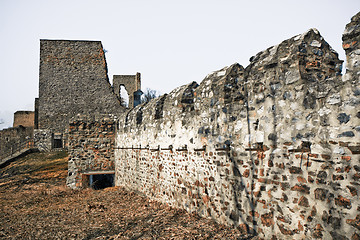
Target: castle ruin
[{"x": 272, "y": 148}]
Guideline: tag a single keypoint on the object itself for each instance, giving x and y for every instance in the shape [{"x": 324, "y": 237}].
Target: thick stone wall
[
  {"x": 73, "y": 80},
  {"x": 12, "y": 138},
  {"x": 24, "y": 118},
  {"x": 273, "y": 148},
  {"x": 91, "y": 148}
]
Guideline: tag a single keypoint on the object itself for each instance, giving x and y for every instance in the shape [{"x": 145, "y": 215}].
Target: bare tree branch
[{"x": 148, "y": 95}]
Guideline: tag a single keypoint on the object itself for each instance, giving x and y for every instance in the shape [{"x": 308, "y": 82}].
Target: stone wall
[
  {"x": 43, "y": 139},
  {"x": 351, "y": 45},
  {"x": 91, "y": 148},
  {"x": 73, "y": 80},
  {"x": 272, "y": 149},
  {"x": 12, "y": 138},
  {"x": 24, "y": 118},
  {"x": 131, "y": 83}
]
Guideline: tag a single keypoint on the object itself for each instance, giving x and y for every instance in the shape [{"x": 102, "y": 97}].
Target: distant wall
[
  {"x": 12, "y": 138},
  {"x": 73, "y": 80},
  {"x": 272, "y": 149},
  {"x": 131, "y": 83},
  {"x": 91, "y": 148},
  {"x": 24, "y": 118}
]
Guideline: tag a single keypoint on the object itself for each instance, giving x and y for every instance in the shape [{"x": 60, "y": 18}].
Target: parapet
[{"x": 272, "y": 149}]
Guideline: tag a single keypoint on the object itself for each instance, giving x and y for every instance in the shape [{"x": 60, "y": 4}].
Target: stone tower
[
  {"x": 132, "y": 84},
  {"x": 73, "y": 80}
]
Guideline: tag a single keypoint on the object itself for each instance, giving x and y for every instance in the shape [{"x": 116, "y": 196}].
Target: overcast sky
[{"x": 170, "y": 43}]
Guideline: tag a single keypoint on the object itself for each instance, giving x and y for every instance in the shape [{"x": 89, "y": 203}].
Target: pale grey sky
[{"x": 170, "y": 42}]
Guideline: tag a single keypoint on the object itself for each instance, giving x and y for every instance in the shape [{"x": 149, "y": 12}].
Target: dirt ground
[{"x": 36, "y": 204}]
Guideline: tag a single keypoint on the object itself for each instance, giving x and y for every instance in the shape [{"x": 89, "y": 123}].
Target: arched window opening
[{"x": 124, "y": 96}]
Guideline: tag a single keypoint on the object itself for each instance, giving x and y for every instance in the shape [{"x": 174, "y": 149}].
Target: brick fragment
[
  {"x": 284, "y": 186},
  {"x": 264, "y": 180},
  {"x": 295, "y": 170},
  {"x": 301, "y": 179},
  {"x": 267, "y": 219},
  {"x": 285, "y": 230},
  {"x": 303, "y": 201},
  {"x": 318, "y": 231},
  {"x": 313, "y": 211},
  {"x": 270, "y": 163},
  {"x": 338, "y": 177},
  {"x": 343, "y": 202},
  {"x": 310, "y": 179},
  {"x": 301, "y": 188},
  {"x": 300, "y": 227},
  {"x": 320, "y": 194},
  {"x": 354, "y": 222},
  {"x": 206, "y": 199},
  {"x": 246, "y": 173},
  {"x": 261, "y": 172},
  {"x": 352, "y": 190},
  {"x": 356, "y": 176}
]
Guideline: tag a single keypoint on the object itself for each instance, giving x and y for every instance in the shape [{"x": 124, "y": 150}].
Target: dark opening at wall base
[
  {"x": 101, "y": 181},
  {"x": 98, "y": 180}
]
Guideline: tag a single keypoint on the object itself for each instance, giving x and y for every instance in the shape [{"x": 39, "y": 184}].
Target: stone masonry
[
  {"x": 91, "y": 148},
  {"x": 19, "y": 136},
  {"x": 12, "y": 138},
  {"x": 24, "y": 118},
  {"x": 131, "y": 83},
  {"x": 272, "y": 148},
  {"x": 73, "y": 80}
]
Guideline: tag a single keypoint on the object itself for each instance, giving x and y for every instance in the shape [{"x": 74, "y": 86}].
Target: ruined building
[
  {"x": 132, "y": 84},
  {"x": 272, "y": 148},
  {"x": 73, "y": 84},
  {"x": 24, "y": 118},
  {"x": 73, "y": 80}
]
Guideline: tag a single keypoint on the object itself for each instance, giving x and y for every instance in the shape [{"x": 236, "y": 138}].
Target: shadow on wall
[{"x": 268, "y": 149}]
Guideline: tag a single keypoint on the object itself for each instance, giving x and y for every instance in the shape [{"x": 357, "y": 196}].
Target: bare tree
[{"x": 148, "y": 95}]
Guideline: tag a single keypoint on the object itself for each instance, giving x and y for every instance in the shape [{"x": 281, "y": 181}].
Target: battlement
[{"x": 272, "y": 148}]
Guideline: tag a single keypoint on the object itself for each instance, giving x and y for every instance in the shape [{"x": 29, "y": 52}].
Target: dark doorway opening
[
  {"x": 57, "y": 140},
  {"x": 57, "y": 143},
  {"x": 101, "y": 181}
]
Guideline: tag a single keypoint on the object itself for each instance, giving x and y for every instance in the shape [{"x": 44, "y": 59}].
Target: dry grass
[{"x": 36, "y": 204}]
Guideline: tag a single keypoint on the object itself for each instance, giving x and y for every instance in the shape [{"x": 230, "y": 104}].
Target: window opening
[{"x": 124, "y": 96}]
